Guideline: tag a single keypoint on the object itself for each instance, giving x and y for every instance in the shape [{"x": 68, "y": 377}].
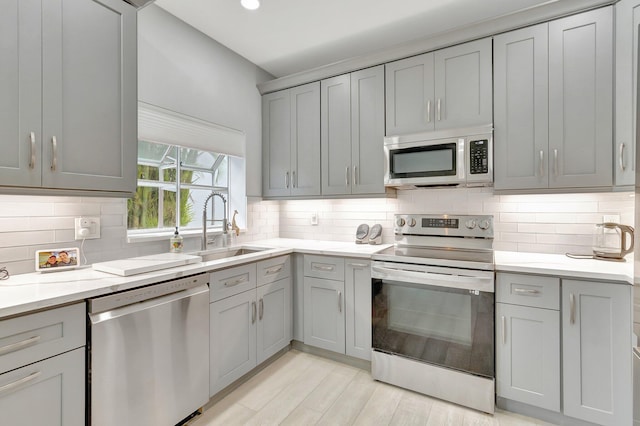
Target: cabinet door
[
  {"x": 335, "y": 135},
  {"x": 49, "y": 392},
  {"x": 627, "y": 21},
  {"x": 305, "y": 139},
  {"x": 521, "y": 107},
  {"x": 409, "y": 95},
  {"x": 276, "y": 144},
  {"x": 528, "y": 355},
  {"x": 89, "y": 98},
  {"x": 581, "y": 100},
  {"x": 367, "y": 131},
  {"x": 324, "y": 314},
  {"x": 20, "y": 89},
  {"x": 357, "y": 289},
  {"x": 463, "y": 85},
  {"x": 233, "y": 339},
  {"x": 274, "y": 318},
  {"x": 596, "y": 355}
]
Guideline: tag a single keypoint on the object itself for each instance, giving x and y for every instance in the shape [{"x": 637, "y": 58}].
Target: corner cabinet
[
  {"x": 553, "y": 96},
  {"x": 291, "y": 142},
  {"x": 68, "y": 104},
  {"x": 626, "y": 87},
  {"x": 448, "y": 88},
  {"x": 352, "y": 132}
]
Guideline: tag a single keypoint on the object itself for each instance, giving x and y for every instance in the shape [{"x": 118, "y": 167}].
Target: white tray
[{"x": 140, "y": 265}]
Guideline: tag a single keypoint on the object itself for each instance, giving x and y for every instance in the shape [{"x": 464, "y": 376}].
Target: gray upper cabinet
[
  {"x": 596, "y": 355},
  {"x": 553, "y": 104},
  {"x": 291, "y": 142},
  {"x": 627, "y": 21},
  {"x": 352, "y": 132},
  {"x": 69, "y": 95},
  {"x": 445, "y": 89},
  {"x": 521, "y": 108}
]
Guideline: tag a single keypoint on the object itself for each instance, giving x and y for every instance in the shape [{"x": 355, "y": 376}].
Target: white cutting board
[{"x": 142, "y": 264}]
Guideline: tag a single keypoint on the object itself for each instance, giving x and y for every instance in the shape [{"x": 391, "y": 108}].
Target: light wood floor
[{"x": 304, "y": 389}]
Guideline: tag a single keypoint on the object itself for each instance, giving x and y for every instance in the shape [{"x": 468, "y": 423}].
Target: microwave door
[{"x": 418, "y": 164}]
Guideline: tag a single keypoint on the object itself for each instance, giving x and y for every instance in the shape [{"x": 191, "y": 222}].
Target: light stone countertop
[{"x": 28, "y": 292}]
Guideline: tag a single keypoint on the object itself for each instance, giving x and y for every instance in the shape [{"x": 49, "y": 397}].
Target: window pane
[
  {"x": 156, "y": 153},
  {"x": 195, "y": 158},
  {"x": 143, "y": 209},
  {"x": 214, "y": 208},
  {"x": 196, "y": 177},
  {"x": 222, "y": 173}
]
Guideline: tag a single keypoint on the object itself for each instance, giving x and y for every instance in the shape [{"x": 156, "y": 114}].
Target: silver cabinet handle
[
  {"x": 555, "y": 162},
  {"x": 346, "y": 176},
  {"x": 526, "y": 291},
  {"x": 504, "y": 330},
  {"x": 293, "y": 179},
  {"x": 438, "y": 110},
  {"x": 19, "y": 382},
  {"x": 323, "y": 267},
  {"x": 622, "y": 166},
  {"x": 19, "y": 345},
  {"x": 261, "y": 309},
  {"x": 355, "y": 175},
  {"x": 359, "y": 265},
  {"x": 339, "y": 301},
  {"x": 572, "y": 309},
  {"x": 54, "y": 160},
  {"x": 429, "y": 111},
  {"x": 32, "y": 159},
  {"x": 286, "y": 179},
  {"x": 253, "y": 312},
  {"x": 236, "y": 281},
  {"x": 274, "y": 270},
  {"x": 541, "y": 163}
]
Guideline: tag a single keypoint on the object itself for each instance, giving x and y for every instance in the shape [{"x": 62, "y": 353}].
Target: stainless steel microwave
[{"x": 463, "y": 157}]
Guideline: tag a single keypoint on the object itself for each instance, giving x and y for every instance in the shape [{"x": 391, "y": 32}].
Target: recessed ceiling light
[{"x": 250, "y": 4}]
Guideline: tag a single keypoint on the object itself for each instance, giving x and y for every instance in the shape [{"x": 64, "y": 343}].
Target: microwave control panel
[{"x": 479, "y": 157}]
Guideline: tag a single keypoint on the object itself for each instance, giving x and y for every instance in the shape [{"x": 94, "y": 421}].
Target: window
[{"x": 173, "y": 183}]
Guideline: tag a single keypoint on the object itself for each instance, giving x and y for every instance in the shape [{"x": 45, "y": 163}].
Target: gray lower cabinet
[
  {"x": 553, "y": 104},
  {"x": 42, "y": 367},
  {"x": 448, "y": 88},
  {"x": 291, "y": 142},
  {"x": 337, "y": 305},
  {"x": 352, "y": 131},
  {"x": 68, "y": 110},
  {"x": 250, "y": 318},
  {"x": 596, "y": 355},
  {"x": 528, "y": 339},
  {"x": 626, "y": 86}
]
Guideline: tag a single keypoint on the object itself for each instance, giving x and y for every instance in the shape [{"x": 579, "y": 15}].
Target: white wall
[{"x": 554, "y": 223}]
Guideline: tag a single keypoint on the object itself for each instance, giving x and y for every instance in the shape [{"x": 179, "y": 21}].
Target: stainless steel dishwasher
[{"x": 149, "y": 353}]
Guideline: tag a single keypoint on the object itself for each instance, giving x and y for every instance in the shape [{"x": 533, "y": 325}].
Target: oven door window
[
  {"x": 449, "y": 327},
  {"x": 423, "y": 161}
]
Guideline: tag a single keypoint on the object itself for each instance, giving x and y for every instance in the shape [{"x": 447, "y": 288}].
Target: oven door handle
[{"x": 484, "y": 284}]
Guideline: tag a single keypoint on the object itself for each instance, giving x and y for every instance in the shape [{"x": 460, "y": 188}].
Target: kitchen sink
[{"x": 225, "y": 253}]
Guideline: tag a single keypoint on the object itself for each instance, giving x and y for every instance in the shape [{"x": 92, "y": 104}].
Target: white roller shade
[{"x": 160, "y": 125}]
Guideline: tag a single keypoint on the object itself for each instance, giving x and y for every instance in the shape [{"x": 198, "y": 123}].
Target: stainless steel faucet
[{"x": 225, "y": 220}]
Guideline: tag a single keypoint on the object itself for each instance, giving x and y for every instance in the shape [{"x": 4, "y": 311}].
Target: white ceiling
[{"x": 288, "y": 36}]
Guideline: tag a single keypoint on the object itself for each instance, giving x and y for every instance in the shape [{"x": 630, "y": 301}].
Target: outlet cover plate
[
  {"x": 87, "y": 227},
  {"x": 613, "y": 218}
]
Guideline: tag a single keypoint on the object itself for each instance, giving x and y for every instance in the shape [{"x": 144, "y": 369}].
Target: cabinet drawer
[
  {"x": 227, "y": 282},
  {"x": 33, "y": 337},
  {"x": 331, "y": 268},
  {"x": 272, "y": 270},
  {"x": 528, "y": 290}
]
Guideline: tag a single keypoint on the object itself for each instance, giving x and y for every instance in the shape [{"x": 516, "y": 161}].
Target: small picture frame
[{"x": 57, "y": 259}]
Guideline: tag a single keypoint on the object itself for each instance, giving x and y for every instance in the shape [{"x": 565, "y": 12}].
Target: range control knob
[
  {"x": 400, "y": 221},
  {"x": 470, "y": 224},
  {"x": 411, "y": 222},
  {"x": 484, "y": 225}
]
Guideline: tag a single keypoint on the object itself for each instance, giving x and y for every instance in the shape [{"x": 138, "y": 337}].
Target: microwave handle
[{"x": 461, "y": 158}]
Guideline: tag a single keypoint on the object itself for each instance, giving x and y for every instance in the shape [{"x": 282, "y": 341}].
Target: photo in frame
[{"x": 57, "y": 259}]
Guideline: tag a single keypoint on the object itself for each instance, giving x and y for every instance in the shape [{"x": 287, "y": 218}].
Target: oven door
[
  {"x": 425, "y": 163},
  {"x": 442, "y": 316}
]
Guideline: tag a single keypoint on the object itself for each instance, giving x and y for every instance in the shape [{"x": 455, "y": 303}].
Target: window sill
[{"x": 144, "y": 237}]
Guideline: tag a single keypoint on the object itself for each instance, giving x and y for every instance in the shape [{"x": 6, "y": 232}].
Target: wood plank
[
  {"x": 413, "y": 409},
  {"x": 347, "y": 407},
  {"x": 330, "y": 389},
  {"x": 381, "y": 406}
]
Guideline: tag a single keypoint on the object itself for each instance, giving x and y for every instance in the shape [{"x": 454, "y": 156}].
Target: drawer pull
[
  {"x": 11, "y": 386},
  {"x": 19, "y": 345},
  {"x": 526, "y": 291},
  {"x": 253, "y": 312},
  {"x": 235, "y": 282},
  {"x": 339, "y": 301},
  {"x": 261, "y": 309},
  {"x": 358, "y": 265},
  {"x": 323, "y": 267},
  {"x": 274, "y": 270}
]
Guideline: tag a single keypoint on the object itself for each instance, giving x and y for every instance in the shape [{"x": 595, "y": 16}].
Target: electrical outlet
[
  {"x": 314, "y": 218},
  {"x": 613, "y": 218},
  {"x": 87, "y": 228}
]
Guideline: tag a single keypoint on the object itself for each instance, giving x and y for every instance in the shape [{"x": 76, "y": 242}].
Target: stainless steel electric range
[{"x": 433, "y": 309}]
